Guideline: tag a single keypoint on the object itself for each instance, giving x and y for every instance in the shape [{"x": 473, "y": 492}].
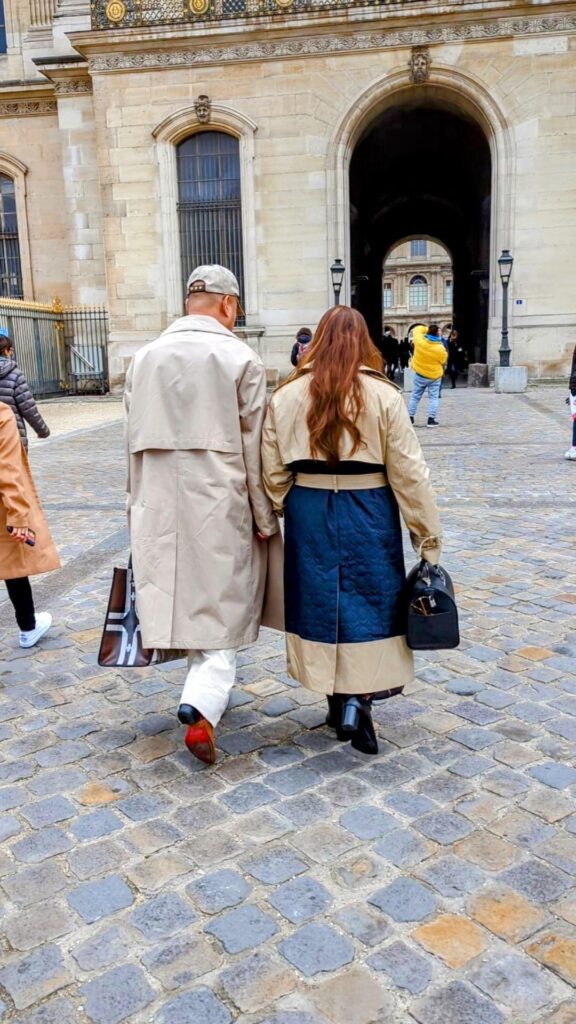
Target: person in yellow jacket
[{"x": 428, "y": 363}]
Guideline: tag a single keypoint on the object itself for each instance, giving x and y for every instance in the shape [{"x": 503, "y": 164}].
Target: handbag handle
[
  {"x": 424, "y": 572},
  {"x": 426, "y": 569}
]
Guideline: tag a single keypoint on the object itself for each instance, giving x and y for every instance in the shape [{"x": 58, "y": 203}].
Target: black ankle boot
[
  {"x": 358, "y": 725},
  {"x": 187, "y": 714},
  {"x": 364, "y": 739},
  {"x": 334, "y": 716}
]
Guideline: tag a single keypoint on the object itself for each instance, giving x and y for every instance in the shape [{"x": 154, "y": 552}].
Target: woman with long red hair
[{"x": 341, "y": 461}]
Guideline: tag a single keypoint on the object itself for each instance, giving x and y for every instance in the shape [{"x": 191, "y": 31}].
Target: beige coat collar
[{"x": 201, "y": 324}]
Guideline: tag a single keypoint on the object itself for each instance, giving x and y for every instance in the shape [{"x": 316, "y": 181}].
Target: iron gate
[{"x": 60, "y": 349}]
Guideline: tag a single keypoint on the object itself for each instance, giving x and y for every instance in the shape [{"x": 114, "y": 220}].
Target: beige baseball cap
[{"x": 213, "y": 278}]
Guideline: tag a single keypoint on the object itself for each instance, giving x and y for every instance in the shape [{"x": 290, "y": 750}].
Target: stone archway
[{"x": 456, "y": 99}]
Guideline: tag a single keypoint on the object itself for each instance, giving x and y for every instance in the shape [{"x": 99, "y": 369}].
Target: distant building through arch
[{"x": 416, "y": 273}]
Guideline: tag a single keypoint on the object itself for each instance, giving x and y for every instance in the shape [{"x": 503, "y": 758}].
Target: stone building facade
[
  {"x": 356, "y": 127},
  {"x": 417, "y": 286}
]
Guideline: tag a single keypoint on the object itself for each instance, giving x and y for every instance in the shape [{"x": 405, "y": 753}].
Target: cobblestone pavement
[{"x": 298, "y": 882}]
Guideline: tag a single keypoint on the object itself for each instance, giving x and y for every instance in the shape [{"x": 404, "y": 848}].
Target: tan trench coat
[
  {"x": 390, "y": 441},
  {"x": 195, "y": 403},
  {"x": 20, "y": 507}
]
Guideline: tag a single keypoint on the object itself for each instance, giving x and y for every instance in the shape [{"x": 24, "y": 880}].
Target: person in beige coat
[
  {"x": 341, "y": 461},
  {"x": 26, "y": 547},
  {"x": 195, "y": 403}
]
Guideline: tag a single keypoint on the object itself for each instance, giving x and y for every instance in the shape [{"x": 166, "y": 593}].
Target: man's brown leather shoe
[{"x": 200, "y": 741}]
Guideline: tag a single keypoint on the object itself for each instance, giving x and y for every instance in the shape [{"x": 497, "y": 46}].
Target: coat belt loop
[{"x": 335, "y": 479}]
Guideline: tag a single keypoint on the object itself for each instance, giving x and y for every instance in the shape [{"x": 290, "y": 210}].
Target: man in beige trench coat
[{"x": 195, "y": 403}]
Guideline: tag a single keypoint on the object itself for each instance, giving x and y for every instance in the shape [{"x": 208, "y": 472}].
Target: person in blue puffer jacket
[{"x": 15, "y": 392}]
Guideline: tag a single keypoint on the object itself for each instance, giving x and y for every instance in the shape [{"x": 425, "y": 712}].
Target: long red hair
[{"x": 341, "y": 345}]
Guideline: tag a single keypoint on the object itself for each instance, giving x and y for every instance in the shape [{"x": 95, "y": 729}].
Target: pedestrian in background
[
  {"x": 446, "y": 338},
  {"x": 452, "y": 365},
  {"x": 339, "y": 456},
  {"x": 456, "y": 358},
  {"x": 26, "y": 547},
  {"x": 404, "y": 353},
  {"x": 428, "y": 363},
  {"x": 195, "y": 403},
  {"x": 571, "y": 453},
  {"x": 390, "y": 352},
  {"x": 300, "y": 346},
  {"x": 15, "y": 392}
]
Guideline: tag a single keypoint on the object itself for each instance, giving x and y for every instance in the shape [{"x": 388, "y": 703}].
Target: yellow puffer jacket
[{"x": 429, "y": 357}]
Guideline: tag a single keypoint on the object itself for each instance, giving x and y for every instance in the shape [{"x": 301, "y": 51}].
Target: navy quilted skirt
[{"x": 344, "y": 574}]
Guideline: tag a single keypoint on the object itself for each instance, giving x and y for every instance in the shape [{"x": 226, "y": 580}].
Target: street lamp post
[
  {"x": 337, "y": 270},
  {"x": 505, "y": 267}
]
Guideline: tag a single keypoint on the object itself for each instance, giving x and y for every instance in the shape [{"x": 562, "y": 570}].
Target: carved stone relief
[
  {"x": 23, "y": 108},
  {"x": 420, "y": 65},
  {"x": 72, "y": 86},
  {"x": 203, "y": 108}
]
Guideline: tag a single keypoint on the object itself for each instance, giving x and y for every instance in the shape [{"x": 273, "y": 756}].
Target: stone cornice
[
  {"x": 68, "y": 76},
  {"x": 328, "y": 43}
]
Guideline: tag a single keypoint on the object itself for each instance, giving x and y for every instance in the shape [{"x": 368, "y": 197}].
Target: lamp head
[
  {"x": 337, "y": 271},
  {"x": 505, "y": 262}
]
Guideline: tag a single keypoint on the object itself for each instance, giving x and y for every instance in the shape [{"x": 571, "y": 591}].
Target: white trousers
[{"x": 211, "y": 676}]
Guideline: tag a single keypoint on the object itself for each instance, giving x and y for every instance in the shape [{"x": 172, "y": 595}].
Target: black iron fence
[
  {"x": 141, "y": 13},
  {"x": 60, "y": 349}
]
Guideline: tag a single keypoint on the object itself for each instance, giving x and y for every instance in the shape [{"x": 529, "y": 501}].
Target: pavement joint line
[
  {"x": 534, "y": 403},
  {"x": 58, "y": 439},
  {"x": 63, "y": 506},
  {"x": 483, "y": 444}
]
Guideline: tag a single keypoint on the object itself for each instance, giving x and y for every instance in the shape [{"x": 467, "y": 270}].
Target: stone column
[{"x": 82, "y": 189}]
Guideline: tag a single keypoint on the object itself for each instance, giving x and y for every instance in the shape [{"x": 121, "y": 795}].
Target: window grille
[
  {"x": 210, "y": 204},
  {"x": 387, "y": 296},
  {"x": 10, "y": 266}
]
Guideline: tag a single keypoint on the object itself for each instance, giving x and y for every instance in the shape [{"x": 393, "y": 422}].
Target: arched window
[
  {"x": 418, "y": 292},
  {"x": 210, "y": 203},
  {"x": 10, "y": 265}
]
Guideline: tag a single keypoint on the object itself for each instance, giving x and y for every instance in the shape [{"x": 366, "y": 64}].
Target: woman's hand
[
  {"x": 262, "y": 536},
  {"x": 22, "y": 534}
]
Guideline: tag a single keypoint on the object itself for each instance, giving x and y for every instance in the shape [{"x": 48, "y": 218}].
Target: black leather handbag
[{"x": 432, "y": 615}]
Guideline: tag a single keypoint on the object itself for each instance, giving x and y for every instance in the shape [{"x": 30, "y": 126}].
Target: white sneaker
[
  {"x": 31, "y": 637},
  {"x": 571, "y": 454}
]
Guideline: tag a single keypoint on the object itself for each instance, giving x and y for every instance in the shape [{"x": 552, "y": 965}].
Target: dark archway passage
[{"x": 423, "y": 168}]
